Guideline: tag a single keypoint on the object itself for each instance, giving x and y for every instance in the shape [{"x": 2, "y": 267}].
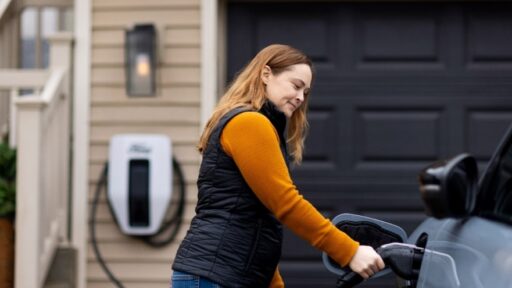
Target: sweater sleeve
[
  {"x": 253, "y": 143},
  {"x": 277, "y": 280}
]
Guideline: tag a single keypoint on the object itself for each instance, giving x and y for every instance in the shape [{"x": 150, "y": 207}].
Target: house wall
[{"x": 175, "y": 112}]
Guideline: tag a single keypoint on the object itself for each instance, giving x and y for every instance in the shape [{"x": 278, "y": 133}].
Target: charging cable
[{"x": 173, "y": 224}]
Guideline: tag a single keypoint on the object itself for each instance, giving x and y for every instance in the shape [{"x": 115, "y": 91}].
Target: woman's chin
[{"x": 286, "y": 111}]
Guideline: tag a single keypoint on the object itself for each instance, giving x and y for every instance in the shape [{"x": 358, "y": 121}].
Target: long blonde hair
[{"x": 248, "y": 91}]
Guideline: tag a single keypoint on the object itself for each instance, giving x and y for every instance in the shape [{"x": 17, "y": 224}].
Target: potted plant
[{"x": 7, "y": 210}]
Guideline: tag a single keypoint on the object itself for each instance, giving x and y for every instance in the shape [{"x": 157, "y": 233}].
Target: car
[{"x": 465, "y": 242}]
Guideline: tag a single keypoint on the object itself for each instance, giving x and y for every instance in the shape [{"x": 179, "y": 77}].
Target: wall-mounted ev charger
[
  {"x": 139, "y": 181},
  {"x": 139, "y": 177}
]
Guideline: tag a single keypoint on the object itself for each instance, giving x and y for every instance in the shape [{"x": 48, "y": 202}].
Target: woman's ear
[{"x": 265, "y": 74}]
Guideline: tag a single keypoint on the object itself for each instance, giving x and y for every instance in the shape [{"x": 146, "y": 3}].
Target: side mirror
[{"x": 449, "y": 187}]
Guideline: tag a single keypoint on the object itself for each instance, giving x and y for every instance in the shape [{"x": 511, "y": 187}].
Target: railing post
[
  {"x": 12, "y": 118},
  {"x": 60, "y": 56},
  {"x": 27, "y": 274},
  {"x": 60, "y": 50}
]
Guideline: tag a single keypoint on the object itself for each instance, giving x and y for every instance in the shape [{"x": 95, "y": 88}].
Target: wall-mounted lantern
[{"x": 140, "y": 59}]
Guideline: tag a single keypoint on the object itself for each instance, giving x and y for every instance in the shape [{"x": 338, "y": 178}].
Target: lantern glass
[{"x": 140, "y": 47}]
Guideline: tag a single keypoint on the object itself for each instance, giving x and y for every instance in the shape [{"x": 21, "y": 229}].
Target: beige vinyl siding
[{"x": 175, "y": 112}]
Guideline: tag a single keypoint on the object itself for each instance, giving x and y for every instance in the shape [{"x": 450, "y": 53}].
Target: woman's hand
[{"x": 366, "y": 262}]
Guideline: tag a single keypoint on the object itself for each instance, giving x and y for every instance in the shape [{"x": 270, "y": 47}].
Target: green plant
[{"x": 7, "y": 180}]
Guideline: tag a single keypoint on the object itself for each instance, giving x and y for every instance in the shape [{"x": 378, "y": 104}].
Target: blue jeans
[{"x": 185, "y": 280}]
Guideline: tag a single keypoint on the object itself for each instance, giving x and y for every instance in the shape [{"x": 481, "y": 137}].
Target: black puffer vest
[{"x": 233, "y": 240}]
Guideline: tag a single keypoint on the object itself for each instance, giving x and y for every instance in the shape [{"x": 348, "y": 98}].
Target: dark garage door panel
[
  {"x": 408, "y": 39},
  {"x": 392, "y": 137},
  {"x": 398, "y": 86}
]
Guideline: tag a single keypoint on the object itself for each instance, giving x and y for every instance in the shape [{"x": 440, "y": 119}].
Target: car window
[{"x": 495, "y": 195}]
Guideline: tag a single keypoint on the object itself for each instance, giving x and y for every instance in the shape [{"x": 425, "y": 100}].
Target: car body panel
[{"x": 470, "y": 253}]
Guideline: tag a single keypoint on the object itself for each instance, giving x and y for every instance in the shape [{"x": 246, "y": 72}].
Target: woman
[{"x": 245, "y": 189}]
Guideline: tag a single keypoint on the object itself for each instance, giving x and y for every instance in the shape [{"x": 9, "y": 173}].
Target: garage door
[{"x": 399, "y": 85}]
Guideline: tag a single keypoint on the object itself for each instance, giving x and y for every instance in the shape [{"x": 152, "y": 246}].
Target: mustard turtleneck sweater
[{"x": 253, "y": 143}]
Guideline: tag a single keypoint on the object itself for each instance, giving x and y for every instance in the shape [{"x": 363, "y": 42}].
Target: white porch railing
[
  {"x": 42, "y": 136},
  {"x": 4, "y": 4},
  {"x": 9, "y": 30}
]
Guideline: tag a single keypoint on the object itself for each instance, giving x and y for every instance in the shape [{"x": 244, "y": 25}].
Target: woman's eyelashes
[{"x": 297, "y": 87}]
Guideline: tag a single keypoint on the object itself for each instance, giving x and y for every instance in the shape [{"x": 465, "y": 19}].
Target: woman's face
[{"x": 288, "y": 89}]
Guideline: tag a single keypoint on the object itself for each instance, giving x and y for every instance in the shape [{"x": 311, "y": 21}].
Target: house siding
[{"x": 175, "y": 112}]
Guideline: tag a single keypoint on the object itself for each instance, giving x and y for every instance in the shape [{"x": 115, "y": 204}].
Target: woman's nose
[{"x": 300, "y": 97}]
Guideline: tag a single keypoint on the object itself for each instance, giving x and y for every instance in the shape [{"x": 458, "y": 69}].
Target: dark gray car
[{"x": 467, "y": 241}]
